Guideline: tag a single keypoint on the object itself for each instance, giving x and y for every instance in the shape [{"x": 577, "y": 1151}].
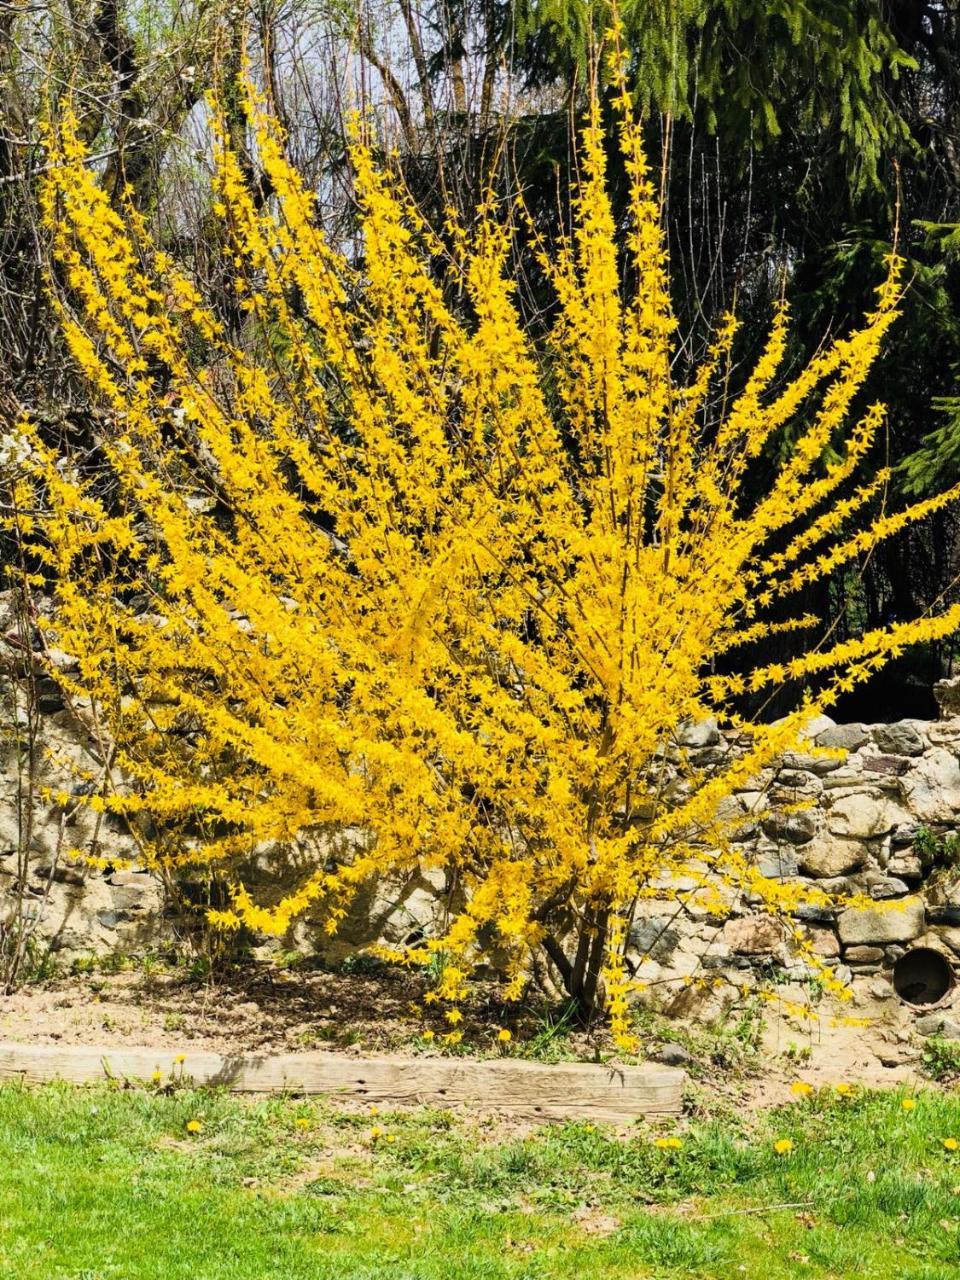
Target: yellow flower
[
  {"x": 783, "y": 1146},
  {"x": 844, "y": 1089},
  {"x": 950, "y": 1144},
  {"x": 428, "y": 1034},
  {"x": 454, "y": 1016},
  {"x": 908, "y": 1104},
  {"x": 801, "y": 1089},
  {"x": 302, "y": 1122},
  {"x": 194, "y": 1126},
  {"x": 374, "y": 1111},
  {"x": 453, "y": 1037},
  {"x": 375, "y": 1133},
  {"x": 504, "y": 1035},
  {"x": 389, "y": 1138},
  {"x": 157, "y": 1077},
  {"x": 668, "y": 1144},
  {"x": 181, "y": 1057},
  {"x": 589, "y": 1128}
]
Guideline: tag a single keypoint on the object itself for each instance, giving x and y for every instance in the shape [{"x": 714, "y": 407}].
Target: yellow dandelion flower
[
  {"x": 454, "y": 1016},
  {"x": 908, "y": 1104},
  {"x": 302, "y": 1122},
  {"x": 801, "y": 1089},
  {"x": 783, "y": 1146},
  {"x": 843, "y": 1089},
  {"x": 453, "y": 1037},
  {"x": 194, "y": 1126},
  {"x": 374, "y": 1111},
  {"x": 950, "y": 1144},
  {"x": 389, "y": 1138},
  {"x": 428, "y": 1034},
  {"x": 375, "y": 1133},
  {"x": 157, "y": 1077},
  {"x": 179, "y": 1059},
  {"x": 504, "y": 1035},
  {"x": 668, "y": 1144}
]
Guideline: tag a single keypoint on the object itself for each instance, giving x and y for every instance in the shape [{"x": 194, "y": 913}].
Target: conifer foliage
[{"x": 419, "y": 593}]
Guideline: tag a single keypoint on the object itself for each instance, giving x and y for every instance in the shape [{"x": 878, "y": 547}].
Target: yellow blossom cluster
[{"x": 420, "y": 594}]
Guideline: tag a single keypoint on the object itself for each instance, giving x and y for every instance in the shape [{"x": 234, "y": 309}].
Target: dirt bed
[
  {"x": 867, "y": 1042},
  {"x": 265, "y": 1009}
]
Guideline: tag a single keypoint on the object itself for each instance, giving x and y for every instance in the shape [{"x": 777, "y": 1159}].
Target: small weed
[
  {"x": 940, "y": 1058},
  {"x": 549, "y": 1042},
  {"x": 200, "y": 968},
  {"x": 40, "y": 964},
  {"x": 362, "y": 964},
  {"x": 798, "y": 1053},
  {"x": 936, "y": 850},
  {"x": 152, "y": 965}
]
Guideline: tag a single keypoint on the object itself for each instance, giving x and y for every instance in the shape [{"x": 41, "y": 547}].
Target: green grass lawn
[{"x": 104, "y": 1184}]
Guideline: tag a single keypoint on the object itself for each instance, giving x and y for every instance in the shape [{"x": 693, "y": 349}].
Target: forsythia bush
[{"x": 384, "y": 568}]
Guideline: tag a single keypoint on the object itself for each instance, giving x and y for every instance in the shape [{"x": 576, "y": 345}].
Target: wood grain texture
[{"x": 565, "y": 1091}]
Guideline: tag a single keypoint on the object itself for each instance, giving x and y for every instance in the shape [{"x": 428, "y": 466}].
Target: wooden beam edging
[{"x": 564, "y": 1091}]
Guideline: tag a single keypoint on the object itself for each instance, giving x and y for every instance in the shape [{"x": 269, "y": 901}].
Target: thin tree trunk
[{"x": 581, "y": 976}]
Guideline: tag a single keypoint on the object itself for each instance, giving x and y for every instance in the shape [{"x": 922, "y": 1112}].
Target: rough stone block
[
  {"x": 829, "y": 856},
  {"x": 812, "y": 914},
  {"x": 824, "y": 943},
  {"x": 753, "y": 935},
  {"x": 814, "y": 728},
  {"x": 110, "y": 919},
  {"x": 795, "y": 828},
  {"x": 937, "y": 1024},
  {"x": 899, "y": 739},
  {"x": 947, "y": 695},
  {"x": 778, "y": 864},
  {"x": 869, "y": 927},
  {"x": 932, "y": 788},
  {"x": 848, "y": 736},
  {"x": 861, "y": 816},
  {"x": 889, "y": 766},
  {"x": 654, "y": 939},
  {"x": 700, "y": 733},
  {"x": 59, "y": 872},
  {"x": 130, "y": 897},
  {"x": 811, "y": 764},
  {"x": 889, "y": 887},
  {"x": 906, "y": 866}
]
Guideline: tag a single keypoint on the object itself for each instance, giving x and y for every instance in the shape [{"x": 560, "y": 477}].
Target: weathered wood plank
[{"x": 565, "y": 1091}]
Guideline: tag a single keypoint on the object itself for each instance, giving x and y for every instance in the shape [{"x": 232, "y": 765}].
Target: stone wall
[
  {"x": 64, "y": 905},
  {"x": 877, "y": 823}
]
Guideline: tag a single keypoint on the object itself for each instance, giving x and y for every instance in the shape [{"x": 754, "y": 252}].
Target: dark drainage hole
[{"x": 922, "y": 976}]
